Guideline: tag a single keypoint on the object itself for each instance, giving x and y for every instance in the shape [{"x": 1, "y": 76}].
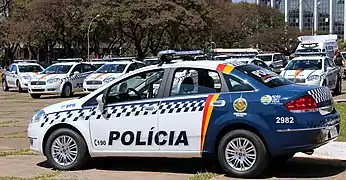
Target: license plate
[
  {"x": 333, "y": 132},
  {"x": 35, "y": 87}
]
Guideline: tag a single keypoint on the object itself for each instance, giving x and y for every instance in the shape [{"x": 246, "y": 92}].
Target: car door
[
  {"x": 11, "y": 76},
  {"x": 332, "y": 73},
  {"x": 128, "y": 121},
  {"x": 77, "y": 83},
  {"x": 182, "y": 113}
]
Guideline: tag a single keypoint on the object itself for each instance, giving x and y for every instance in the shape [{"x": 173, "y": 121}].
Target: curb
[{"x": 340, "y": 100}]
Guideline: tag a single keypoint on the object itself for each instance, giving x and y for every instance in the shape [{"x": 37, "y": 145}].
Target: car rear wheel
[
  {"x": 4, "y": 85},
  {"x": 35, "y": 96},
  {"x": 20, "y": 89},
  {"x": 66, "y": 150},
  {"x": 242, "y": 154},
  {"x": 66, "y": 91}
]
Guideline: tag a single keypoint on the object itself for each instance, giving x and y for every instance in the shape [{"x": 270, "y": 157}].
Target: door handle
[
  {"x": 218, "y": 103},
  {"x": 149, "y": 108}
]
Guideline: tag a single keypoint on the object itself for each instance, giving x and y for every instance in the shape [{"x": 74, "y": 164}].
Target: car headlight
[
  {"x": 108, "y": 80},
  {"x": 26, "y": 77},
  {"x": 53, "y": 80},
  {"x": 39, "y": 116},
  {"x": 314, "y": 78}
]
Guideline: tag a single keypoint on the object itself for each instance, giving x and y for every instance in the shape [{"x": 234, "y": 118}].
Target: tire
[
  {"x": 4, "y": 85},
  {"x": 66, "y": 91},
  {"x": 260, "y": 154},
  {"x": 282, "y": 159},
  {"x": 20, "y": 89},
  {"x": 77, "y": 145},
  {"x": 35, "y": 96},
  {"x": 338, "y": 88}
]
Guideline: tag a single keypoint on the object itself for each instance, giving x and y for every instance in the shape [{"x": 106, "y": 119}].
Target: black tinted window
[{"x": 264, "y": 76}]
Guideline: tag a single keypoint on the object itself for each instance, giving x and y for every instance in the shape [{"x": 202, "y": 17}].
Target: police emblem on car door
[{"x": 128, "y": 119}]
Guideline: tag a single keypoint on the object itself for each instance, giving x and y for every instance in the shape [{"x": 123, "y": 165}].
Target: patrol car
[
  {"x": 254, "y": 118},
  {"x": 18, "y": 74},
  {"x": 108, "y": 72},
  {"x": 64, "y": 78},
  {"x": 314, "y": 70}
]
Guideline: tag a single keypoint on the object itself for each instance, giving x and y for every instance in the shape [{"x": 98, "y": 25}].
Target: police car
[
  {"x": 255, "y": 117},
  {"x": 64, "y": 78},
  {"x": 18, "y": 74},
  {"x": 314, "y": 70},
  {"x": 108, "y": 72}
]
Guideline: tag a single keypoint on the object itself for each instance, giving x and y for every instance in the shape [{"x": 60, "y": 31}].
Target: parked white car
[
  {"x": 274, "y": 60},
  {"x": 314, "y": 70},
  {"x": 62, "y": 78},
  {"x": 108, "y": 72},
  {"x": 18, "y": 74}
]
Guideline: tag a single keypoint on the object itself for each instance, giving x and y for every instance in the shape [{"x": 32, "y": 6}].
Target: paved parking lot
[{"x": 16, "y": 161}]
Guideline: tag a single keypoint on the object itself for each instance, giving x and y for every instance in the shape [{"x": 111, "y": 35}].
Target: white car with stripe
[
  {"x": 314, "y": 70},
  {"x": 108, "y": 72},
  {"x": 63, "y": 78},
  {"x": 18, "y": 75}
]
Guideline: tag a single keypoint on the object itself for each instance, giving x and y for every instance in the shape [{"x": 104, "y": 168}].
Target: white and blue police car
[
  {"x": 19, "y": 74},
  {"x": 254, "y": 117},
  {"x": 63, "y": 78}
]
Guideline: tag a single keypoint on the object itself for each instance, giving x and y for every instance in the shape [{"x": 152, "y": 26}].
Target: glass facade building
[{"x": 315, "y": 16}]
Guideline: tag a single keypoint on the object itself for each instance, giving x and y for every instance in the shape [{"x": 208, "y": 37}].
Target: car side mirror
[
  {"x": 100, "y": 102},
  {"x": 76, "y": 72}
]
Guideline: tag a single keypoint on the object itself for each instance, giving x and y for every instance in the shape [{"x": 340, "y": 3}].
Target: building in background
[{"x": 317, "y": 16}]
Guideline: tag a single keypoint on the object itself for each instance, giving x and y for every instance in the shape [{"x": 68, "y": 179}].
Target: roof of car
[
  {"x": 267, "y": 54},
  {"x": 211, "y": 64},
  {"x": 66, "y": 63},
  {"x": 308, "y": 58},
  {"x": 23, "y": 63}
]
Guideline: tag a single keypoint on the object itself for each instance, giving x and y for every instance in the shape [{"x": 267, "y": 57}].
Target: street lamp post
[{"x": 98, "y": 15}]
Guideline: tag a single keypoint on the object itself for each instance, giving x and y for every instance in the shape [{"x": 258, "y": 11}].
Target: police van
[
  {"x": 64, "y": 78},
  {"x": 326, "y": 44},
  {"x": 19, "y": 74}
]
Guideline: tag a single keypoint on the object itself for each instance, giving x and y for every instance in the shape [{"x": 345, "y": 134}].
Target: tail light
[{"x": 303, "y": 104}]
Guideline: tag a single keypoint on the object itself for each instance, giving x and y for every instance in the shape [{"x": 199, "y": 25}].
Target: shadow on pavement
[{"x": 295, "y": 168}]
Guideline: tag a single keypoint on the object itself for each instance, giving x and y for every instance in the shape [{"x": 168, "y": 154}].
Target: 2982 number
[{"x": 284, "y": 120}]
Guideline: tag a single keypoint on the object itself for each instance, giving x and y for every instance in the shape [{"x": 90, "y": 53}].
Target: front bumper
[
  {"x": 293, "y": 140},
  {"x": 90, "y": 88},
  {"x": 35, "y": 136},
  {"x": 45, "y": 89}
]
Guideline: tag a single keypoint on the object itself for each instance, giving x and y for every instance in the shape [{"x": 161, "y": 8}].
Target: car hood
[
  {"x": 289, "y": 74},
  {"x": 46, "y": 77},
  {"x": 102, "y": 76},
  {"x": 30, "y": 74}
]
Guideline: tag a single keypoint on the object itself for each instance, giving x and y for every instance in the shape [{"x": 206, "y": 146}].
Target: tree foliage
[{"x": 143, "y": 27}]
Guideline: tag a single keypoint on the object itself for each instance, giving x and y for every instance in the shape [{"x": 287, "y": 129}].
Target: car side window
[
  {"x": 140, "y": 65},
  {"x": 9, "y": 68},
  {"x": 77, "y": 68},
  {"x": 331, "y": 62},
  {"x": 276, "y": 57},
  {"x": 189, "y": 81},
  {"x": 132, "y": 67},
  {"x": 87, "y": 68},
  {"x": 141, "y": 86},
  {"x": 14, "y": 68},
  {"x": 236, "y": 84}
]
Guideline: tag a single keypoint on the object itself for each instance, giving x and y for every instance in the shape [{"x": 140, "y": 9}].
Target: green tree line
[{"x": 137, "y": 27}]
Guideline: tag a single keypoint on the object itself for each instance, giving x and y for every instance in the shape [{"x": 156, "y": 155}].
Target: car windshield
[
  {"x": 57, "y": 69},
  {"x": 264, "y": 76},
  {"x": 30, "y": 68},
  {"x": 305, "y": 65},
  {"x": 309, "y": 50},
  {"x": 111, "y": 68},
  {"x": 265, "y": 57},
  {"x": 97, "y": 66}
]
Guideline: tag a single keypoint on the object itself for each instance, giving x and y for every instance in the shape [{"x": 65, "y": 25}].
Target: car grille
[
  {"x": 37, "y": 90},
  {"x": 94, "y": 82},
  {"x": 38, "y": 83},
  {"x": 297, "y": 80}
]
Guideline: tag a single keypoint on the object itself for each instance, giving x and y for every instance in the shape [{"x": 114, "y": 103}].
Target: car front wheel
[
  {"x": 4, "y": 85},
  {"x": 66, "y": 150},
  {"x": 242, "y": 154}
]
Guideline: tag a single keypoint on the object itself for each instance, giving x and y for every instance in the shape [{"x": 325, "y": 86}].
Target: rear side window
[{"x": 264, "y": 76}]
